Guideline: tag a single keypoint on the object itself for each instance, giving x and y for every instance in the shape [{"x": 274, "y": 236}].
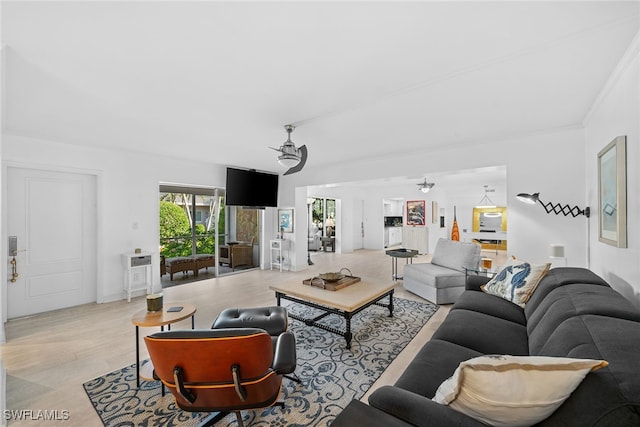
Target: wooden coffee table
[
  {"x": 344, "y": 302},
  {"x": 146, "y": 318}
]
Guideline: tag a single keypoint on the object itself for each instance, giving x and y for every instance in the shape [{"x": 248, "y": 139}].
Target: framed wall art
[
  {"x": 416, "y": 213},
  {"x": 612, "y": 193},
  {"x": 285, "y": 220}
]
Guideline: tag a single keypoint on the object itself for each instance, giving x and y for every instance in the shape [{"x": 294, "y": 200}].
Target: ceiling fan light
[
  {"x": 426, "y": 186},
  {"x": 288, "y": 160},
  {"x": 486, "y": 202}
]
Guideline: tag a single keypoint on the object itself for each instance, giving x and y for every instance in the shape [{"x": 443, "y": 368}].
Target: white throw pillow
[
  {"x": 516, "y": 281},
  {"x": 513, "y": 390}
]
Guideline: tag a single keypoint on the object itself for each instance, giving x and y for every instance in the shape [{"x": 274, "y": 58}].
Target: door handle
[
  {"x": 13, "y": 252},
  {"x": 14, "y": 270}
]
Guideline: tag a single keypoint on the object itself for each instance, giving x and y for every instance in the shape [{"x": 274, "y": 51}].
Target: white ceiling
[{"x": 217, "y": 81}]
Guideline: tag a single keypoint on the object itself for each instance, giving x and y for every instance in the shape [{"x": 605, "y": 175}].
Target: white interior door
[{"x": 53, "y": 217}]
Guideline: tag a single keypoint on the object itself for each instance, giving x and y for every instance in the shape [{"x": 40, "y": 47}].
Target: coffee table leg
[
  {"x": 137, "y": 357},
  {"x": 391, "y": 303},
  {"x": 347, "y": 334}
]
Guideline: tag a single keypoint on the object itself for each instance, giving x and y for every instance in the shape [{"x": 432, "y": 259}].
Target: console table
[
  {"x": 276, "y": 246},
  {"x": 137, "y": 271},
  {"x": 329, "y": 242}
]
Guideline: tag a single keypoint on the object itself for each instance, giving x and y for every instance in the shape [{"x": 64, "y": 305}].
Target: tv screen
[{"x": 251, "y": 188}]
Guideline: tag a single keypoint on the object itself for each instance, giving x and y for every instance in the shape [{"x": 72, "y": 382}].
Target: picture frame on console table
[
  {"x": 285, "y": 220},
  {"x": 612, "y": 193},
  {"x": 416, "y": 212}
]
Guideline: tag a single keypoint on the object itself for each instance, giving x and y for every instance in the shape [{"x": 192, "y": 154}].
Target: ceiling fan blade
[
  {"x": 279, "y": 150},
  {"x": 303, "y": 159}
]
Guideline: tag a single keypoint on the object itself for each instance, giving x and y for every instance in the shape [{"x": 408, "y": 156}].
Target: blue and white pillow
[{"x": 516, "y": 281}]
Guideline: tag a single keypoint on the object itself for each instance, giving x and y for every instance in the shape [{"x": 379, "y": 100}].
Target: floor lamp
[{"x": 310, "y": 201}]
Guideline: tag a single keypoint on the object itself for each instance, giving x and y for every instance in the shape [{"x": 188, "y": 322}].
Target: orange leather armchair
[{"x": 222, "y": 370}]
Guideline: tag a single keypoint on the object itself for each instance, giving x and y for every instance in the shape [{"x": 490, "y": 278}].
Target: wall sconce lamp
[{"x": 556, "y": 208}]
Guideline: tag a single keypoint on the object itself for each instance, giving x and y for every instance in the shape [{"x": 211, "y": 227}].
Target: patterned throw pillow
[
  {"x": 513, "y": 390},
  {"x": 516, "y": 281}
]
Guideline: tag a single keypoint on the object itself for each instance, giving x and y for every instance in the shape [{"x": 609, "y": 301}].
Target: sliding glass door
[{"x": 198, "y": 229}]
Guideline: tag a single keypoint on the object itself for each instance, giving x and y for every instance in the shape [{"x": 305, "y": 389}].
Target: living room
[{"x": 556, "y": 156}]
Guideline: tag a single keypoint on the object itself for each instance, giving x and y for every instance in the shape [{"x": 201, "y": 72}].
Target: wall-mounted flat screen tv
[{"x": 251, "y": 188}]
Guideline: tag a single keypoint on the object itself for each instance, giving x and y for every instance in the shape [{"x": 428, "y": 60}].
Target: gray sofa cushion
[
  {"x": 609, "y": 396},
  {"x": 483, "y": 333},
  {"x": 557, "y": 277},
  {"x": 415, "y": 409},
  {"x": 574, "y": 300},
  {"x": 435, "y": 275},
  {"x": 359, "y": 413},
  {"x": 456, "y": 255},
  {"x": 432, "y": 365},
  {"x": 491, "y": 305}
]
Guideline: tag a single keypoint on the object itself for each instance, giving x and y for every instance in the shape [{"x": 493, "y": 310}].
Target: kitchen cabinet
[
  {"x": 416, "y": 238},
  {"x": 393, "y": 207},
  {"x": 395, "y": 236}
]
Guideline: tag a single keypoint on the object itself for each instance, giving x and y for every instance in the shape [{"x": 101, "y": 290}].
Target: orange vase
[{"x": 455, "y": 232}]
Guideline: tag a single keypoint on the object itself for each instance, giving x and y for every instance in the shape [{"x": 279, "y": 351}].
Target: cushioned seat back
[
  {"x": 207, "y": 359},
  {"x": 609, "y": 396},
  {"x": 456, "y": 255},
  {"x": 557, "y": 277},
  {"x": 574, "y": 300}
]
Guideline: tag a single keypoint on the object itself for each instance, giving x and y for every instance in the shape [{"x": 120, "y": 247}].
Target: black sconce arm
[{"x": 556, "y": 208}]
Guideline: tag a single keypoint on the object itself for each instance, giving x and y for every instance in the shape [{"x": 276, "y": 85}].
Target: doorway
[
  {"x": 53, "y": 217},
  {"x": 322, "y": 230}
]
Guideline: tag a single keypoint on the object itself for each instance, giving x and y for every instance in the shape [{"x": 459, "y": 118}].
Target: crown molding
[{"x": 630, "y": 55}]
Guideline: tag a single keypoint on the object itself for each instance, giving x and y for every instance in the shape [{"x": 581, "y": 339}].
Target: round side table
[
  {"x": 144, "y": 318},
  {"x": 408, "y": 254}
]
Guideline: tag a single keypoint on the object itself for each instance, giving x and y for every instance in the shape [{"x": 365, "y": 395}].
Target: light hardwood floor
[{"x": 47, "y": 357}]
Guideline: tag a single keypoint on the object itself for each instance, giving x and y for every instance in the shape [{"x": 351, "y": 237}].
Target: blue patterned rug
[{"x": 331, "y": 375}]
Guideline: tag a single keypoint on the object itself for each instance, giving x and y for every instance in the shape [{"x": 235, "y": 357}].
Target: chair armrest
[
  {"x": 418, "y": 410},
  {"x": 284, "y": 359},
  {"x": 474, "y": 282}
]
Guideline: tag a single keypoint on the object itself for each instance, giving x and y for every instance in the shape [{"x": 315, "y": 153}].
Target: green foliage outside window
[
  {"x": 173, "y": 221},
  {"x": 175, "y": 233}
]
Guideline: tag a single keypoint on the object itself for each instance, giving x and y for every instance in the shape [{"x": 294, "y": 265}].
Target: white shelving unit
[
  {"x": 277, "y": 247},
  {"x": 137, "y": 273}
]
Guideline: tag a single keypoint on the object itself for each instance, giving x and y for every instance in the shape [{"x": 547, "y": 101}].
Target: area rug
[{"x": 331, "y": 375}]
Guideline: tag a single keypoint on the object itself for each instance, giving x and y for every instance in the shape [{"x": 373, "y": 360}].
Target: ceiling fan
[
  {"x": 426, "y": 186},
  {"x": 290, "y": 156}
]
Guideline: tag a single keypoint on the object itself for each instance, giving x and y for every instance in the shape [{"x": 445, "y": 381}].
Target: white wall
[
  {"x": 128, "y": 206},
  {"x": 558, "y": 164},
  {"x": 3, "y": 266},
  {"x": 617, "y": 112},
  {"x": 551, "y": 163}
]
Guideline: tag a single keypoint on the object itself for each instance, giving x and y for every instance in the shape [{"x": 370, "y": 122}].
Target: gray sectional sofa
[{"x": 573, "y": 313}]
